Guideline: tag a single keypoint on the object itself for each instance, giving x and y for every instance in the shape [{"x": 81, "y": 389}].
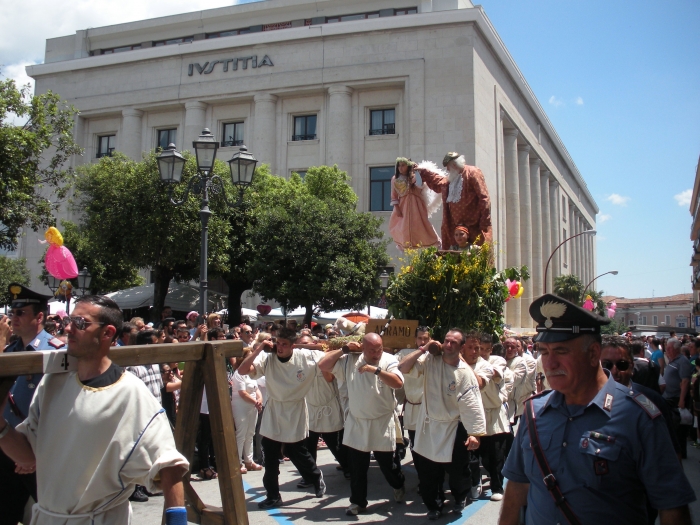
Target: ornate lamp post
[
  {"x": 546, "y": 268},
  {"x": 613, "y": 272},
  {"x": 170, "y": 166}
]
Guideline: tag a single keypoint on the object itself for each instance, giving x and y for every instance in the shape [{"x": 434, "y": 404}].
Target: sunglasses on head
[
  {"x": 79, "y": 322},
  {"x": 621, "y": 365}
]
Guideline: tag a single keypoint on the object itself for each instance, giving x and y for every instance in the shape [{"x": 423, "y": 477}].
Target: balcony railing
[
  {"x": 303, "y": 137},
  {"x": 387, "y": 129},
  {"x": 231, "y": 143},
  {"x": 107, "y": 153}
]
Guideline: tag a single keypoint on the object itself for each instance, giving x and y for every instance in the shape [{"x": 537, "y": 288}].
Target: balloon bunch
[
  {"x": 515, "y": 289},
  {"x": 588, "y": 304},
  {"x": 611, "y": 309}
]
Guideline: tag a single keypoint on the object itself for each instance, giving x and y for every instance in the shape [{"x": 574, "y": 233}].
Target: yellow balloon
[{"x": 520, "y": 292}]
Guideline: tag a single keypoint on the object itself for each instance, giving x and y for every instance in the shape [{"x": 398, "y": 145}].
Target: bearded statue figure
[{"x": 465, "y": 200}]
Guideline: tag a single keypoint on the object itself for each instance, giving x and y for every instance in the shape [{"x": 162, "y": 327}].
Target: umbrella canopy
[
  {"x": 252, "y": 314},
  {"x": 182, "y": 297},
  {"x": 324, "y": 317}
]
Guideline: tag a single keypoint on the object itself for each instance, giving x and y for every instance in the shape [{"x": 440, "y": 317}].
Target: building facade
[
  {"x": 666, "y": 313},
  {"x": 305, "y": 83},
  {"x": 695, "y": 237}
]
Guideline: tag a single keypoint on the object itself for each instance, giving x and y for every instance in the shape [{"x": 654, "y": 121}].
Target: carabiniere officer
[
  {"x": 28, "y": 316},
  {"x": 588, "y": 450}
]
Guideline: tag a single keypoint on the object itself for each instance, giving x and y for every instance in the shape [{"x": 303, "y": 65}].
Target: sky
[{"x": 619, "y": 80}]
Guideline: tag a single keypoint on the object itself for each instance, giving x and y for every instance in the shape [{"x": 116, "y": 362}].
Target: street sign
[{"x": 400, "y": 333}]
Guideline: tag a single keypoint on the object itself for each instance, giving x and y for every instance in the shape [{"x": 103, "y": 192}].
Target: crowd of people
[{"x": 512, "y": 405}]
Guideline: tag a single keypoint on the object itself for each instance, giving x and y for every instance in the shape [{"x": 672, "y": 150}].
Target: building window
[
  {"x": 380, "y": 188},
  {"x": 349, "y": 18},
  {"x": 220, "y": 34},
  {"x": 301, "y": 173},
  {"x": 166, "y": 137},
  {"x": 565, "y": 248},
  {"x": 668, "y": 320},
  {"x": 304, "y": 128},
  {"x": 119, "y": 49},
  {"x": 232, "y": 134},
  {"x": 644, "y": 319},
  {"x": 182, "y": 40},
  {"x": 382, "y": 122},
  {"x": 409, "y": 11},
  {"x": 655, "y": 320},
  {"x": 680, "y": 323},
  {"x": 105, "y": 145},
  {"x": 563, "y": 210}
]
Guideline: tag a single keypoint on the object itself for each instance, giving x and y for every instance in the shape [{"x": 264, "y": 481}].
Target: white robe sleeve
[
  {"x": 259, "y": 365},
  {"x": 471, "y": 408}
]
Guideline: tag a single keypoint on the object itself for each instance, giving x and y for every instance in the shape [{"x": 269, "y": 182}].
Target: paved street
[{"x": 301, "y": 507}]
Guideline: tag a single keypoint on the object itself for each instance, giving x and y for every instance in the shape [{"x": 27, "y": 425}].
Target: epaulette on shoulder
[
  {"x": 56, "y": 342},
  {"x": 647, "y": 404}
]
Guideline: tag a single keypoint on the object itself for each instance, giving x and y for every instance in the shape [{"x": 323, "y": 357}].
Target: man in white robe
[
  {"x": 371, "y": 378},
  {"x": 413, "y": 387},
  {"x": 289, "y": 374},
  {"x": 451, "y": 421},
  {"x": 94, "y": 434}
]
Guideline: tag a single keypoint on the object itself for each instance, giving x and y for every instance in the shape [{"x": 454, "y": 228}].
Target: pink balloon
[{"x": 60, "y": 262}]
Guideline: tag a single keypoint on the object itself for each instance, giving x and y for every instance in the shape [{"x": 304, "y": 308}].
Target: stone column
[
  {"x": 579, "y": 247},
  {"x": 130, "y": 137},
  {"x": 195, "y": 122},
  {"x": 537, "y": 265},
  {"x": 555, "y": 218},
  {"x": 525, "y": 229},
  {"x": 546, "y": 227},
  {"x": 512, "y": 189},
  {"x": 264, "y": 129},
  {"x": 571, "y": 245},
  {"x": 339, "y": 129}
]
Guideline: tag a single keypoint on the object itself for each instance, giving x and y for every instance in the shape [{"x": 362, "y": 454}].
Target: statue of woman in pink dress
[{"x": 413, "y": 203}]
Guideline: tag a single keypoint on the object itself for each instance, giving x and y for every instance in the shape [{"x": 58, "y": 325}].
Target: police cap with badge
[
  {"x": 21, "y": 296},
  {"x": 561, "y": 320}
]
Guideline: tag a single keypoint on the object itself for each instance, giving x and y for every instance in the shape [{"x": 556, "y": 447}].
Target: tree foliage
[
  {"x": 128, "y": 220},
  {"x": 313, "y": 249},
  {"x": 32, "y": 160},
  {"x": 569, "y": 287},
  {"x": 446, "y": 290},
  {"x": 12, "y": 271}
]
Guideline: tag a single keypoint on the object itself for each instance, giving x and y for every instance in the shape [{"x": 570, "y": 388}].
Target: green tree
[
  {"x": 313, "y": 249},
  {"x": 569, "y": 287},
  {"x": 32, "y": 160},
  {"x": 12, "y": 271},
  {"x": 129, "y": 222}
]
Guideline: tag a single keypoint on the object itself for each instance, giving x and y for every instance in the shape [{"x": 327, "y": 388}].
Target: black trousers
[
  {"x": 431, "y": 473},
  {"x": 205, "y": 448},
  {"x": 258, "y": 456},
  {"x": 492, "y": 451},
  {"x": 334, "y": 440},
  {"x": 15, "y": 490},
  {"x": 411, "y": 437},
  {"x": 358, "y": 462},
  {"x": 297, "y": 454}
]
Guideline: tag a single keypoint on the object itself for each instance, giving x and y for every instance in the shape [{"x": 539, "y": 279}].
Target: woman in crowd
[
  {"x": 246, "y": 403},
  {"x": 171, "y": 384}
]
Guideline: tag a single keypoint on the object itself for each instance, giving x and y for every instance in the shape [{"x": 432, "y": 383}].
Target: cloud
[
  {"x": 618, "y": 200},
  {"x": 603, "y": 218},
  {"x": 684, "y": 197},
  {"x": 579, "y": 101},
  {"x": 556, "y": 102}
]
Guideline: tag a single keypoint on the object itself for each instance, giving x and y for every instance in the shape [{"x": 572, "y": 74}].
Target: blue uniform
[
  {"x": 23, "y": 390},
  {"x": 605, "y": 456}
]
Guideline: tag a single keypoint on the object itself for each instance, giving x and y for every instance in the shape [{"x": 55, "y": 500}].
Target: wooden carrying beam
[{"x": 206, "y": 368}]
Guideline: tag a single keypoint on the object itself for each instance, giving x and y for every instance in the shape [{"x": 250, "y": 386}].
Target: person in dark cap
[
  {"x": 28, "y": 314},
  {"x": 586, "y": 450}
]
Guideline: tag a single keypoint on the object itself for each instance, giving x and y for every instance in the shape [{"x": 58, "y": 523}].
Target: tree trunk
[
  {"x": 235, "y": 292},
  {"x": 161, "y": 281},
  {"x": 308, "y": 316}
]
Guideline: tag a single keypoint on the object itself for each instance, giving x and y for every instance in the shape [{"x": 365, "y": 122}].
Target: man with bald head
[{"x": 371, "y": 376}]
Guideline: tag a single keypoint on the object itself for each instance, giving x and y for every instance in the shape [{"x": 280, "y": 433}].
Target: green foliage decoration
[{"x": 445, "y": 290}]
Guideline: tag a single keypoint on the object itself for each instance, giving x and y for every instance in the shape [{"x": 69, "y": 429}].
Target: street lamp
[
  {"x": 546, "y": 268},
  {"x": 171, "y": 165},
  {"x": 613, "y": 272},
  {"x": 84, "y": 280}
]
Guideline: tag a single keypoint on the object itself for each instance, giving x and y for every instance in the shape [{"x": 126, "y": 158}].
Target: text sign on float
[{"x": 400, "y": 333}]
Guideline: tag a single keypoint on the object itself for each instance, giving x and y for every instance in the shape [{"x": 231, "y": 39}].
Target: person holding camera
[{"x": 289, "y": 375}]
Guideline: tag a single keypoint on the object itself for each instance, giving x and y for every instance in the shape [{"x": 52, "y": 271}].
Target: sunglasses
[
  {"x": 19, "y": 313},
  {"x": 621, "y": 365},
  {"x": 79, "y": 322}
]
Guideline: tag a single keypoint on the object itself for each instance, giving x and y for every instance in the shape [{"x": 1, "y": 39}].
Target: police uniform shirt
[
  {"x": 369, "y": 424},
  {"x": 605, "y": 456},
  {"x": 25, "y": 386},
  {"x": 285, "y": 418},
  {"x": 414, "y": 394},
  {"x": 451, "y": 395}
]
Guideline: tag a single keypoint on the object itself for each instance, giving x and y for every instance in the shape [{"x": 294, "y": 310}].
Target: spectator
[
  {"x": 139, "y": 323},
  {"x": 191, "y": 319},
  {"x": 213, "y": 321},
  {"x": 645, "y": 373},
  {"x": 167, "y": 312},
  {"x": 170, "y": 385},
  {"x": 124, "y": 338},
  {"x": 657, "y": 355},
  {"x": 677, "y": 393},
  {"x": 246, "y": 404}
]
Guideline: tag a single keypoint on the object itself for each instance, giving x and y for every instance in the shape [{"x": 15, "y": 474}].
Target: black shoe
[
  {"x": 303, "y": 484},
  {"x": 459, "y": 506},
  {"x": 321, "y": 489},
  {"x": 138, "y": 495},
  {"x": 434, "y": 515},
  {"x": 270, "y": 503},
  {"x": 347, "y": 474}
]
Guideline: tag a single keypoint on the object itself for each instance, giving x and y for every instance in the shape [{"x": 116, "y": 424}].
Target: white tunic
[
  {"x": 322, "y": 400},
  {"x": 93, "y": 446},
  {"x": 519, "y": 368},
  {"x": 413, "y": 389},
  {"x": 286, "y": 418},
  {"x": 370, "y": 424},
  {"x": 491, "y": 396},
  {"x": 451, "y": 395}
]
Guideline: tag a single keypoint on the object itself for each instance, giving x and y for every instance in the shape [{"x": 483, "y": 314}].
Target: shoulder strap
[{"x": 547, "y": 476}]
